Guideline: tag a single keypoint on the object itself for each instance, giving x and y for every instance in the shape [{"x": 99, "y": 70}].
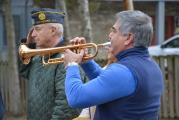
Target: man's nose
[
  {"x": 34, "y": 34},
  {"x": 110, "y": 35}
]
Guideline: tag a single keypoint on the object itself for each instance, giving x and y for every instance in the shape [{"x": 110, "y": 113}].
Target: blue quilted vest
[{"x": 144, "y": 103}]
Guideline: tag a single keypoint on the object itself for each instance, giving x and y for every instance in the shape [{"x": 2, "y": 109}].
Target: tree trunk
[
  {"x": 128, "y": 5},
  {"x": 60, "y": 4},
  {"x": 14, "y": 87},
  {"x": 86, "y": 28}
]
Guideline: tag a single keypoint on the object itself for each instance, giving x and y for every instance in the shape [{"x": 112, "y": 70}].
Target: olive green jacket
[{"x": 45, "y": 91}]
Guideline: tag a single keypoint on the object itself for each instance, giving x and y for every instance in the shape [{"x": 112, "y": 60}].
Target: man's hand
[
  {"x": 78, "y": 40},
  {"x": 29, "y": 36},
  {"x": 30, "y": 40},
  {"x": 70, "y": 57}
]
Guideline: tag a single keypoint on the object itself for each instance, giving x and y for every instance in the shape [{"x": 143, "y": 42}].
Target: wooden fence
[
  {"x": 170, "y": 99},
  {"x": 169, "y": 102}
]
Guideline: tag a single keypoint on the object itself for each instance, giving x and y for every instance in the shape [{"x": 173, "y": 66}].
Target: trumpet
[{"x": 26, "y": 53}]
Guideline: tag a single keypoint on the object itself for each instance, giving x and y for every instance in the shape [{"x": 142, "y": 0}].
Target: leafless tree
[
  {"x": 85, "y": 19},
  {"x": 128, "y": 5},
  {"x": 14, "y": 87}
]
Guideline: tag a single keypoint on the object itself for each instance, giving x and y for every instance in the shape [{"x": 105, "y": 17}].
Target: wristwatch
[{"x": 71, "y": 64}]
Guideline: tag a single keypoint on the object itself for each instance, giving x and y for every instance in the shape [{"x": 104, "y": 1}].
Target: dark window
[
  {"x": 173, "y": 44},
  {"x": 4, "y": 34},
  {"x": 16, "y": 21},
  {"x": 17, "y": 27}
]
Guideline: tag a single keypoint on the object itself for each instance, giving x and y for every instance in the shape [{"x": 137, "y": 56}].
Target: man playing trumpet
[{"x": 128, "y": 89}]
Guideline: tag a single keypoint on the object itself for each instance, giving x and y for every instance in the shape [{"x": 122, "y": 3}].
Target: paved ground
[{"x": 11, "y": 117}]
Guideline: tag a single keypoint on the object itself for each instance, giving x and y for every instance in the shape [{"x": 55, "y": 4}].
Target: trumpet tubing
[{"x": 26, "y": 53}]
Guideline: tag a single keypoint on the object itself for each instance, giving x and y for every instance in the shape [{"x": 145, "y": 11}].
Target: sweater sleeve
[
  {"x": 24, "y": 69},
  {"x": 116, "y": 81},
  {"x": 91, "y": 68},
  {"x": 59, "y": 96}
]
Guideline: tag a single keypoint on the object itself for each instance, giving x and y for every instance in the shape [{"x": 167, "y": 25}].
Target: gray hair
[
  {"x": 137, "y": 23},
  {"x": 59, "y": 28}
]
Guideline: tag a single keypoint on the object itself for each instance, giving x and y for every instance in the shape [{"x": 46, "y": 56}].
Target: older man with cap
[{"x": 45, "y": 88}]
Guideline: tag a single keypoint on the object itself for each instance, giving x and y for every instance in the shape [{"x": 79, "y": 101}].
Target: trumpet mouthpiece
[{"x": 106, "y": 44}]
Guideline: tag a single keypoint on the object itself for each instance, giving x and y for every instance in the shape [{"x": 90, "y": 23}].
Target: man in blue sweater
[{"x": 129, "y": 89}]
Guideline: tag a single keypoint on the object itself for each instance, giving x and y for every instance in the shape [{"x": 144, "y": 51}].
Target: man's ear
[
  {"x": 53, "y": 30},
  {"x": 129, "y": 39}
]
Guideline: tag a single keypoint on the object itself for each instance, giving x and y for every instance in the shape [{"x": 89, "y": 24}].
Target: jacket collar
[{"x": 136, "y": 51}]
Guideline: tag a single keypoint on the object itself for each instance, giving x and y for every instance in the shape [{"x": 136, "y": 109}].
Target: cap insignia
[{"x": 41, "y": 16}]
